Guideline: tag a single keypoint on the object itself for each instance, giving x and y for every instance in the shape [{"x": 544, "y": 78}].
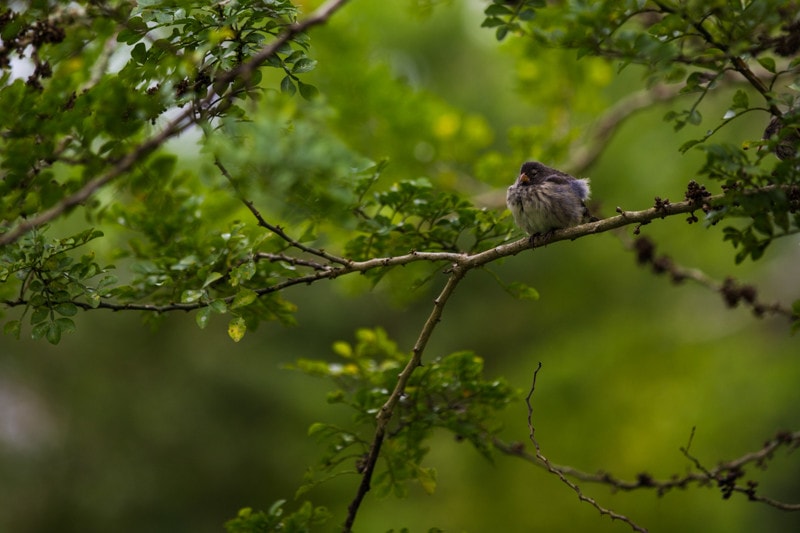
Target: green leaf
[
  {"x": 39, "y": 330},
  {"x": 190, "y": 296},
  {"x": 39, "y": 314},
  {"x": 687, "y": 145},
  {"x": 12, "y": 327},
  {"x": 307, "y": 91},
  {"x": 316, "y": 427},
  {"x": 521, "y": 291},
  {"x": 243, "y": 272},
  {"x": 492, "y": 22},
  {"x": 202, "y": 317},
  {"x": 53, "y": 332},
  {"x": 343, "y": 349},
  {"x": 304, "y": 65},
  {"x": 218, "y": 306},
  {"x": 427, "y": 479},
  {"x": 741, "y": 100},
  {"x": 287, "y": 86},
  {"x": 243, "y": 298},
  {"x": 767, "y": 62},
  {"x": 66, "y": 309},
  {"x": 498, "y": 9},
  {"x": 139, "y": 53},
  {"x": 66, "y": 325},
  {"x": 211, "y": 278}
]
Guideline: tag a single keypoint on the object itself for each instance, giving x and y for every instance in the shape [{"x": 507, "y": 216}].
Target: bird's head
[{"x": 529, "y": 171}]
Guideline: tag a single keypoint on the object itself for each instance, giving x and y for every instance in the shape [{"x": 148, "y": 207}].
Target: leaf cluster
[
  {"x": 103, "y": 76},
  {"x": 449, "y": 393},
  {"x": 414, "y": 215},
  {"x": 301, "y": 521},
  {"x": 53, "y": 282}
]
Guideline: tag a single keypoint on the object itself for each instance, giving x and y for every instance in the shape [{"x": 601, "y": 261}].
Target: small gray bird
[{"x": 544, "y": 199}]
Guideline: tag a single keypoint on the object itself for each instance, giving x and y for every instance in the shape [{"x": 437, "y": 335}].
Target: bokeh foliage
[{"x": 355, "y": 141}]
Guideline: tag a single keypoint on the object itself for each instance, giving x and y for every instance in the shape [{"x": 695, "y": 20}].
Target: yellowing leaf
[
  {"x": 427, "y": 478},
  {"x": 237, "y": 328},
  {"x": 343, "y": 349}
]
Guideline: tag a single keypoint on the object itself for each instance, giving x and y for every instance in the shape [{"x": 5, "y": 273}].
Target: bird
[{"x": 543, "y": 199}]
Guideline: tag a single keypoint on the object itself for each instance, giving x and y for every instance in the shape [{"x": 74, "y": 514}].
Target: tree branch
[
  {"x": 605, "y": 128},
  {"x": 732, "y": 291},
  {"x": 702, "y": 477},
  {"x": 385, "y": 413},
  {"x": 338, "y": 266},
  {"x": 738, "y": 63},
  {"x": 277, "y": 230}
]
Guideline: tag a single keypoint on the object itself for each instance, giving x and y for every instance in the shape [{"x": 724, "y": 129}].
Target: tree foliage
[{"x": 104, "y": 101}]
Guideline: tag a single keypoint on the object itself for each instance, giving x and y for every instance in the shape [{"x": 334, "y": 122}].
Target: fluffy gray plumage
[{"x": 543, "y": 199}]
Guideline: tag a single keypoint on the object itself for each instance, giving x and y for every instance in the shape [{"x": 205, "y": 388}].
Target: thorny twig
[
  {"x": 701, "y": 476},
  {"x": 554, "y": 470}
]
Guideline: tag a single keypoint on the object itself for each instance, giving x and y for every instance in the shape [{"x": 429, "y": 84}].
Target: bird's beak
[{"x": 523, "y": 178}]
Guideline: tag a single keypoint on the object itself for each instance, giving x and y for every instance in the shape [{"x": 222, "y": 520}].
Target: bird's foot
[{"x": 540, "y": 236}]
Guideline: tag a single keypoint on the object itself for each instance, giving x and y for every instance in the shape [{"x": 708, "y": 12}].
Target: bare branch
[
  {"x": 732, "y": 291},
  {"x": 702, "y": 476},
  {"x": 604, "y": 129},
  {"x": 553, "y": 470},
  {"x": 294, "y": 261}
]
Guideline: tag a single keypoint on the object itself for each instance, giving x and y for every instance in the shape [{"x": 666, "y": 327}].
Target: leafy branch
[
  {"x": 328, "y": 266},
  {"x": 183, "y": 121}
]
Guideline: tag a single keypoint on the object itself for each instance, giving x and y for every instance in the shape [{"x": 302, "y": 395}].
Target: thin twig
[
  {"x": 277, "y": 230},
  {"x": 288, "y": 259},
  {"x": 553, "y": 470}
]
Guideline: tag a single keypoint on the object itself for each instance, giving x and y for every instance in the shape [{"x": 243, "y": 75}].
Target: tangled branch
[{"x": 724, "y": 475}]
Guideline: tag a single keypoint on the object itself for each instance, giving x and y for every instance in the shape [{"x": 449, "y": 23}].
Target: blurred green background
[{"x": 128, "y": 428}]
